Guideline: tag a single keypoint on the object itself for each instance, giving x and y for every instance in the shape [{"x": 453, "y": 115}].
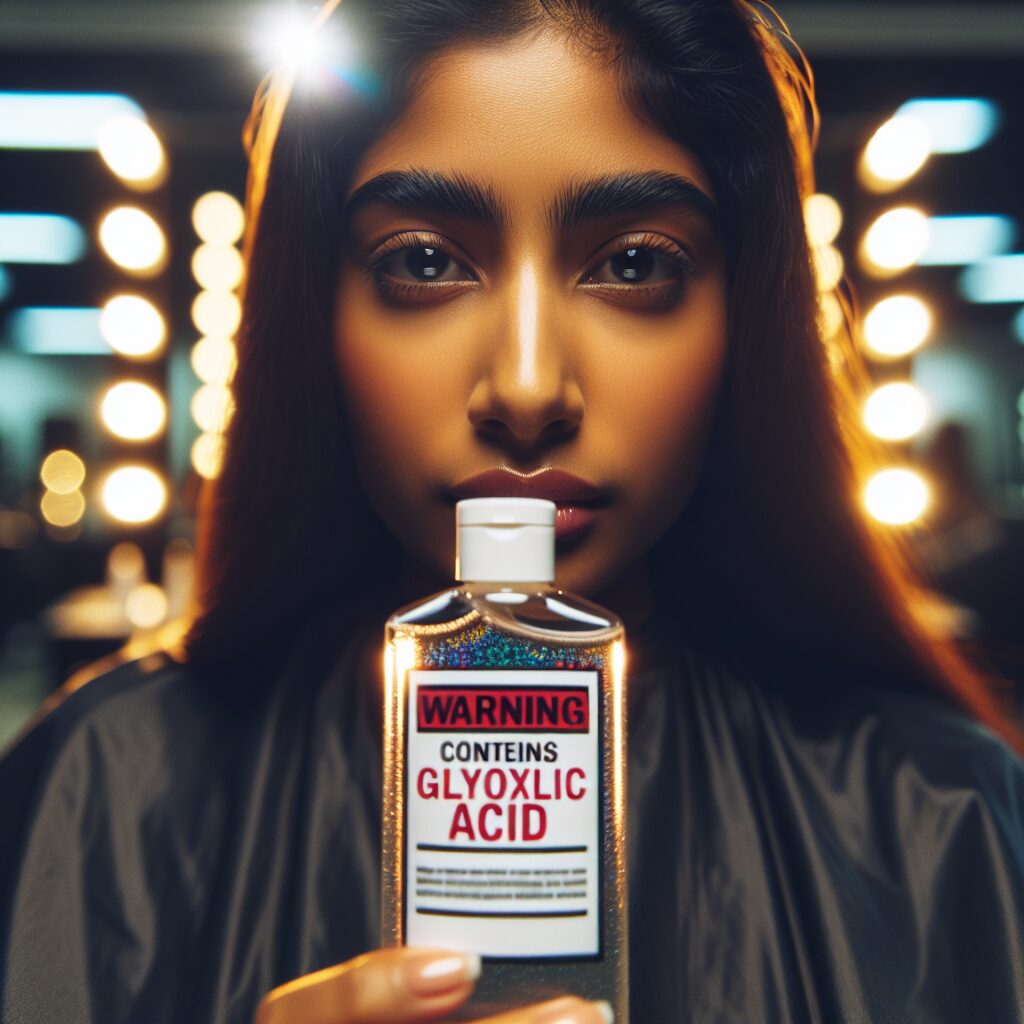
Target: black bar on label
[
  {"x": 501, "y": 913},
  {"x": 503, "y": 849}
]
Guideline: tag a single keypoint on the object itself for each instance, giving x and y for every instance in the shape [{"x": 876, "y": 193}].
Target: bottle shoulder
[{"x": 536, "y": 608}]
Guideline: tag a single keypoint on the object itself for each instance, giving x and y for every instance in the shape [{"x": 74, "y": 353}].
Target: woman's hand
[{"x": 405, "y": 985}]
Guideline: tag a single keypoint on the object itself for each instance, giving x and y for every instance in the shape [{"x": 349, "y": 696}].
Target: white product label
[{"x": 503, "y": 812}]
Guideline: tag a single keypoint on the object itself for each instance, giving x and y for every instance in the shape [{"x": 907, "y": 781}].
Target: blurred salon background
[{"x": 121, "y": 180}]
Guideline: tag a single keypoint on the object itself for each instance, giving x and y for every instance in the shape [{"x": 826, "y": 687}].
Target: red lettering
[
  {"x": 531, "y": 819},
  {"x": 425, "y": 790},
  {"x": 484, "y": 833},
  {"x": 476, "y": 708},
  {"x": 470, "y": 778},
  {"x": 495, "y": 774},
  {"x": 537, "y": 812},
  {"x": 519, "y": 780},
  {"x": 461, "y": 823}
]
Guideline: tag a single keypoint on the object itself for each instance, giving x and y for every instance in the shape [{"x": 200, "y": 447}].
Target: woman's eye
[
  {"x": 650, "y": 272},
  {"x": 420, "y": 264},
  {"x": 411, "y": 267},
  {"x": 638, "y": 265}
]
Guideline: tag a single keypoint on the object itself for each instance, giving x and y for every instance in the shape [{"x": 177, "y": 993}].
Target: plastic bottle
[{"x": 505, "y": 770}]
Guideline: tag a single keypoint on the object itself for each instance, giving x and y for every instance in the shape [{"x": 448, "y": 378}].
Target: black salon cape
[{"x": 167, "y": 858}]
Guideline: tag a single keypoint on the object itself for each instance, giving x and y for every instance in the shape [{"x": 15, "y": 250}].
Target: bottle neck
[{"x": 511, "y": 586}]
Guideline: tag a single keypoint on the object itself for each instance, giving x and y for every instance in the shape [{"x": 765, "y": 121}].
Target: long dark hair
[{"x": 773, "y": 557}]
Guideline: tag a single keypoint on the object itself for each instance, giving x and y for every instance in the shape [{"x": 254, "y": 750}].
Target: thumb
[{"x": 397, "y": 985}]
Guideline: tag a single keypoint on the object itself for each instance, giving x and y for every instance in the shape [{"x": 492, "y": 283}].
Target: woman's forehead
[{"x": 527, "y": 117}]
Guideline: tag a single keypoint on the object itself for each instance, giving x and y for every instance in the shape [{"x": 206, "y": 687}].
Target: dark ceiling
[{"x": 822, "y": 27}]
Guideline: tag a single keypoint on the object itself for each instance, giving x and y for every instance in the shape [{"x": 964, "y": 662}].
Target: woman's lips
[
  {"x": 577, "y": 500},
  {"x": 573, "y": 520},
  {"x": 552, "y": 484}
]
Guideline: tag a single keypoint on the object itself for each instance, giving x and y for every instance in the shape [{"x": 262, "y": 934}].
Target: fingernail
[
  {"x": 567, "y": 1010},
  {"x": 430, "y": 974}
]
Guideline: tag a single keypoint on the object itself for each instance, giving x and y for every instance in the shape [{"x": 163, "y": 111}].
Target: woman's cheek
[{"x": 660, "y": 409}]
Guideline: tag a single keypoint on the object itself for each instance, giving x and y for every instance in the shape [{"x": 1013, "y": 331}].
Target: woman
[{"x": 534, "y": 236}]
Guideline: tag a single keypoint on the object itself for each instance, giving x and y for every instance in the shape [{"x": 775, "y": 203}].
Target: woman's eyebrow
[
  {"x": 431, "y": 192},
  {"x": 577, "y": 204},
  {"x": 615, "y": 195}
]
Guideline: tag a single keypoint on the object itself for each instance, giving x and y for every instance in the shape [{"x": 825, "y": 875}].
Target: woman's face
[{"x": 517, "y": 315}]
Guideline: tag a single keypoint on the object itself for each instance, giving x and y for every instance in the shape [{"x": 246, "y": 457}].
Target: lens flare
[
  {"x": 146, "y": 606},
  {"x": 208, "y": 454},
  {"x": 824, "y": 217},
  {"x": 217, "y": 313},
  {"x": 131, "y": 149},
  {"x": 895, "y": 241},
  {"x": 214, "y": 360},
  {"x": 211, "y": 407},
  {"x": 62, "y": 471},
  {"x": 217, "y": 267},
  {"x": 896, "y": 496},
  {"x": 133, "y": 240},
  {"x": 218, "y": 218},
  {"x": 134, "y": 494},
  {"x": 897, "y": 326},
  {"x": 133, "y": 327},
  {"x": 895, "y": 411},
  {"x": 62, "y": 509},
  {"x": 895, "y": 153},
  {"x": 133, "y": 410}
]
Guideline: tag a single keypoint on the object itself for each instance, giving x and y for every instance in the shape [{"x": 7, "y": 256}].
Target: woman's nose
[{"x": 528, "y": 394}]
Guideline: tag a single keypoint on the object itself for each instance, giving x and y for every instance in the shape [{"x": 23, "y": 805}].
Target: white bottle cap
[{"x": 505, "y": 539}]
